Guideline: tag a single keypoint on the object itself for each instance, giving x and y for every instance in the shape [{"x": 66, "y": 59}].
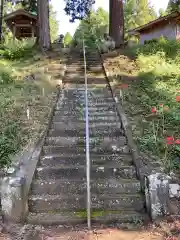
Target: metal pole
[
  {"x": 1, "y": 18},
  {"x": 87, "y": 145}
]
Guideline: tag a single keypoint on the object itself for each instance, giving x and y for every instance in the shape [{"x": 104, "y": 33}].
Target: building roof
[
  {"x": 151, "y": 24},
  {"x": 20, "y": 12}
]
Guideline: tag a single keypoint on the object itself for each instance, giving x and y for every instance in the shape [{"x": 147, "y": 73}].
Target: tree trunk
[
  {"x": 116, "y": 21},
  {"x": 44, "y": 40},
  {"x": 1, "y": 18}
]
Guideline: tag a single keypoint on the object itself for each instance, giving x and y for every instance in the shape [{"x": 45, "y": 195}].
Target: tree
[
  {"x": 43, "y": 37},
  {"x": 116, "y": 21},
  {"x": 162, "y": 12},
  {"x": 138, "y": 13},
  {"x": 92, "y": 27},
  {"x": 67, "y": 39},
  {"x": 173, "y": 5},
  {"x": 79, "y": 9},
  {"x": 54, "y": 26}
]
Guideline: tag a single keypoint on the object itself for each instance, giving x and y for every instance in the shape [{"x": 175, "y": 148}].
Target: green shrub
[
  {"x": 9, "y": 144},
  {"x": 16, "y": 49},
  {"x": 5, "y": 75}
]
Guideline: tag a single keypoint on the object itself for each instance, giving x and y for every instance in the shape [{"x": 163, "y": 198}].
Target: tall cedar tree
[{"x": 78, "y": 9}]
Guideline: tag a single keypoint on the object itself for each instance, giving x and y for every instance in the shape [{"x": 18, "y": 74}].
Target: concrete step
[
  {"x": 106, "y": 186},
  {"x": 92, "y": 120},
  {"x": 78, "y": 77},
  {"x": 74, "y": 141},
  {"x": 92, "y": 108},
  {"x": 91, "y": 100},
  {"x": 78, "y": 160},
  {"x": 79, "y": 172},
  {"x": 72, "y": 202},
  {"x": 75, "y": 218},
  {"x": 69, "y": 125},
  {"x": 95, "y": 118},
  {"x": 63, "y": 113},
  {"x": 94, "y": 132},
  {"x": 102, "y": 149}
]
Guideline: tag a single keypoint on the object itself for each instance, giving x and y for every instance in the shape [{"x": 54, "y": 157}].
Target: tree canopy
[
  {"x": 67, "y": 39},
  {"x": 173, "y": 5},
  {"x": 137, "y": 13},
  {"x": 92, "y": 27},
  {"x": 78, "y": 9}
]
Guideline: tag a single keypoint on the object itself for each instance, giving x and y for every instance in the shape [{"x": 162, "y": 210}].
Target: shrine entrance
[{"x": 22, "y": 24}]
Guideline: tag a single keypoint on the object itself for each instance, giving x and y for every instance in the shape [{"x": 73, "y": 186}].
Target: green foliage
[
  {"x": 17, "y": 49},
  {"x": 54, "y": 25},
  {"x": 5, "y": 75},
  {"x": 9, "y": 142},
  {"x": 138, "y": 13},
  {"x": 173, "y": 5},
  {"x": 29, "y": 5},
  {"x": 93, "y": 28},
  {"x": 67, "y": 39},
  {"x": 171, "y": 48},
  {"x": 162, "y": 12},
  {"x": 159, "y": 83}
]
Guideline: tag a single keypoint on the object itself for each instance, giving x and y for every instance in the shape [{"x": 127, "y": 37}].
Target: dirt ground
[
  {"x": 105, "y": 234},
  {"x": 162, "y": 230}
]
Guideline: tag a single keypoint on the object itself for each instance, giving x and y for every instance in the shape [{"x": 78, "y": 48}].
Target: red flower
[
  {"x": 161, "y": 105},
  {"x": 169, "y": 140},
  {"x": 177, "y": 98},
  {"x": 154, "y": 110},
  {"x": 177, "y": 142}
]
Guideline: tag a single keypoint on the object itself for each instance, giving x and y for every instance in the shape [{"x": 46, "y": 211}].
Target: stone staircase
[{"x": 58, "y": 192}]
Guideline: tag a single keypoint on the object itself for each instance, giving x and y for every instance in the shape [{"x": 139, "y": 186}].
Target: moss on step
[{"x": 98, "y": 213}]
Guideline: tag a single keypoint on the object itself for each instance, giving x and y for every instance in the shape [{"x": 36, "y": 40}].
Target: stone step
[
  {"x": 94, "y": 132},
  {"x": 91, "y": 109},
  {"x": 91, "y": 101},
  {"x": 107, "y": 186},
  {"x": 69, "y": 125},
  {"x": 72, "y": 202},
  {"x": 106, "y": 217},
  {"x": 94, "y": 90},
  {"x": 78, "y": 78},
  {"x": 97, "y": 172},
  {"x": 54, "y": 67},
  {"x": 74, "y": 141},
  {"x": 80, "y": 149},
  {"x": 75, "y": 67},
  {"x": 95, "y": 118},
  {"x": 81, "y": 104},
  {"x": 76, "y": 160},
  {"x": 92, "y": 120},
  {"x": 81, "y": 113},
  {"x": 91, "y": 62}
]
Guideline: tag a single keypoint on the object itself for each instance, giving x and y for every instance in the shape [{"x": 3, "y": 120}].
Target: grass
[
  {"x": 152, "y": 73},
  {"x": 25, "y": 102}
]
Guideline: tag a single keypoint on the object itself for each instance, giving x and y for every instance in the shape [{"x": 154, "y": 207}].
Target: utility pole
[{"x": 1, "y": 18}]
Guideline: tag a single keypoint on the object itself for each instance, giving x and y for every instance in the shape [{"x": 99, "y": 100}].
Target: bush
[
  {"x": 5, "y": 75},
  {"x": 171, "y": 48},
  {"x": 16, "y": 49}
]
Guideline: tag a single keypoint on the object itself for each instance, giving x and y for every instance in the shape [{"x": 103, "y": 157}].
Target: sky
[{"x": 66, "y": 26}]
